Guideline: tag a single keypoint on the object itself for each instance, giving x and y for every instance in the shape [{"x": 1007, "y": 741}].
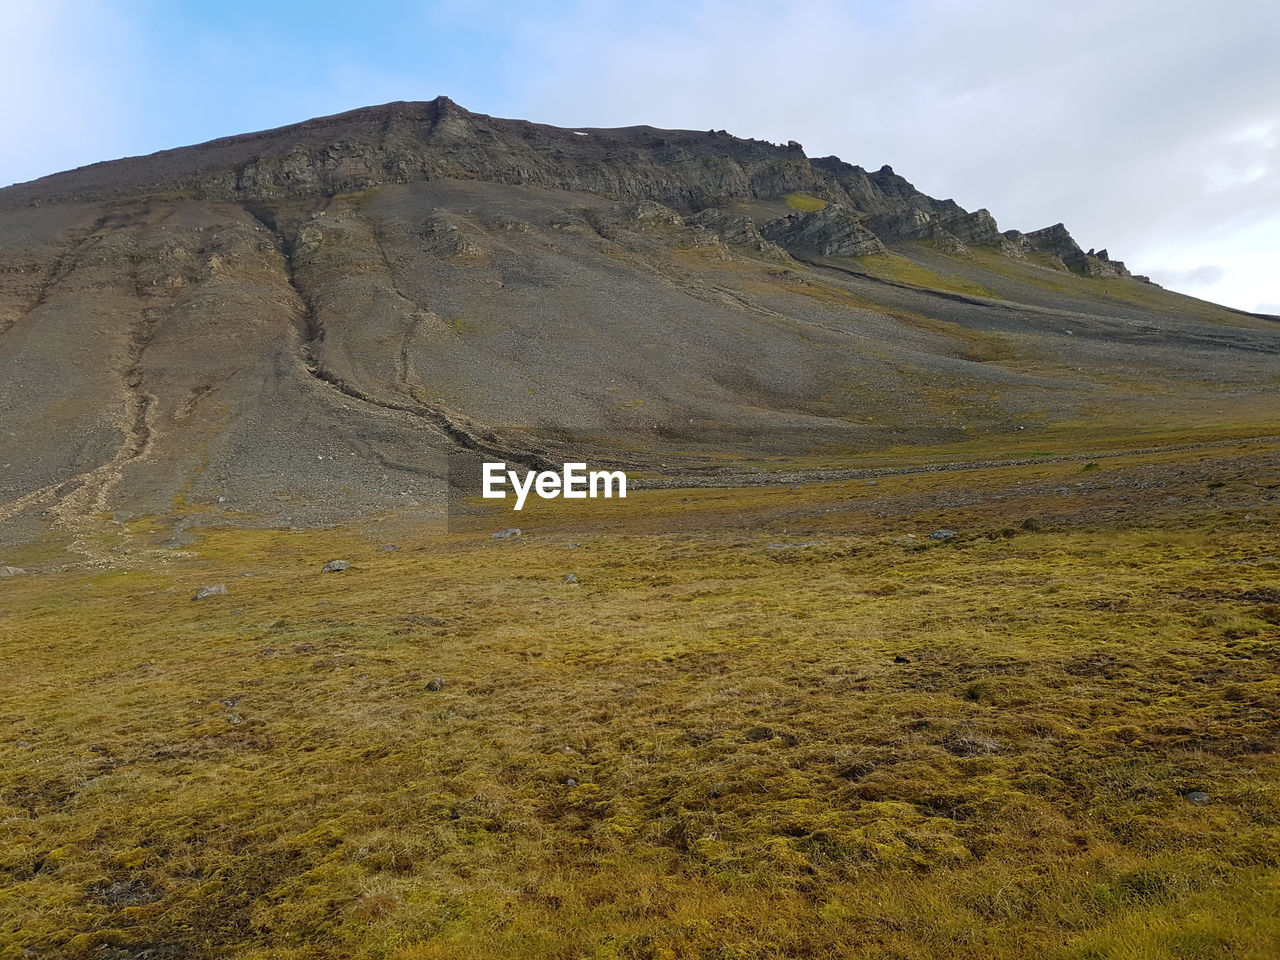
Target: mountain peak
[{"x": 405, "y": 141}]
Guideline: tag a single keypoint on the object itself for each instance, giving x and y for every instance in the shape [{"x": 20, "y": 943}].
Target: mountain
[{"x": 307, "y": 323}]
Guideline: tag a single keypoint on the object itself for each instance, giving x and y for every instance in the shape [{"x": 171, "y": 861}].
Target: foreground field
[{"x": 773, "y": 722}]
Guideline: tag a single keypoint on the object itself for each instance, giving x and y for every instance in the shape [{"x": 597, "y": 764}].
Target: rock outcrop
[
  {"x": 737, "y": 229},
  {"x": 1056, "y": 243},
  {"x": 684, "y": 171},
  {"x": 1098, "y": 264},
  {"x": 831, "y": 232}
]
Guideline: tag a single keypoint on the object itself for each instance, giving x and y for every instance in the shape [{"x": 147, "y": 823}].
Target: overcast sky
[{"x": 1151, "y": 127}]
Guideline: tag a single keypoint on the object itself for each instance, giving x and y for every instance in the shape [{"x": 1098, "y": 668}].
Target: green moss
[
  {"x": 1113, "y": 289},
  {"x": 805, "y": 201},
  {"x": 900, "y": 269},
  {"x": 981, "y": 749}
]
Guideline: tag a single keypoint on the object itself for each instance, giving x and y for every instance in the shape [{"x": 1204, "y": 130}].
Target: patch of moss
[
  {"x": 806, "y": 202},
  {"x": 900, "y": 269}
]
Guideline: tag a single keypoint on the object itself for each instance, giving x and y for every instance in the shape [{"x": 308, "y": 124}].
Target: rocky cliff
[{"x": 687, "y": 170}]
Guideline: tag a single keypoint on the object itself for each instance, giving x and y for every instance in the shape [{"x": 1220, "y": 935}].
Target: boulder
[{"x": 335, "y": 566}]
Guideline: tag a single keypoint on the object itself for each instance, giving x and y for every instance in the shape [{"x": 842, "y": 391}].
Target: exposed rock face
[
  {"x": 904, "y": 225},
  {"x": 736, "y": 228},
  {"x": 882, "y": 192},
  {"x": 404, "y": 142},
  {"x": 1057, "y": 242},
  {"x": 1100, "y": 265},
  {"x": 684, "y": 171},
  {"x": 978, "y": 227},
  {"x": 1014, "y": 244},
  {"x": 831, "y": 232}
]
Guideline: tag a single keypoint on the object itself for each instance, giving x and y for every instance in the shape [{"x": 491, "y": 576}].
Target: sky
[{"x": 1150, "y": 127}]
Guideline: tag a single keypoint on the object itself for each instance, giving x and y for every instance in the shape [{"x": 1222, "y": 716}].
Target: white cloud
[
  {"x": 1203, "y": 276},
  {"x": 1151, "y": 127},
  {"x": 1145, "y": 125}
]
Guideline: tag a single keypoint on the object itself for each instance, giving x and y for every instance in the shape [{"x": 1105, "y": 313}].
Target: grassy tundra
[{"x": 763, "y": 722}]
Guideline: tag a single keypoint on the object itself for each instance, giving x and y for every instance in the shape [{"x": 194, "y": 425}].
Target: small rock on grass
[
  {"x": 435, "y": 683},
  {"x": 1198, "y": 797},
  {"x": 11, "y": 572},
  {"x": 942, "y": 535},
  {"x": 571, "y": 578},
  {"x": 973, "y": 746},
  {"x": 511, "y": 533},
  {"x": 212, "y": 590},
  {"x": 335, "y": 566}
]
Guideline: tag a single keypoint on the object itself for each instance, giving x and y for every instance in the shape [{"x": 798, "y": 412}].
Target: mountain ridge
[{"x": 287, "y": 162}]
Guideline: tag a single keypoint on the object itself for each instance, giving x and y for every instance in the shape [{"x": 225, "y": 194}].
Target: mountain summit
[
  {"x": 306, "y": 323},
  {"x": 690, "y": 171}
]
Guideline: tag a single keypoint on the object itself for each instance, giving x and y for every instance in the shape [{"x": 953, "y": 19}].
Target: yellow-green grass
[
  {"x": 804, "y": 201},
  {"x": 1128, "y": 443},
  {"x": 707, "y": 747},
  {"x": 900, "y": 269},
  {"x": 1122, "y": 289}
]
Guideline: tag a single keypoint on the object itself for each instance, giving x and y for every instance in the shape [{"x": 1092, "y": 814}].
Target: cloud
[
  {"x": 1151, "y": 127},
  {"x": 1204, "y": 276},
  {"x": 1142, "y": 125}
]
